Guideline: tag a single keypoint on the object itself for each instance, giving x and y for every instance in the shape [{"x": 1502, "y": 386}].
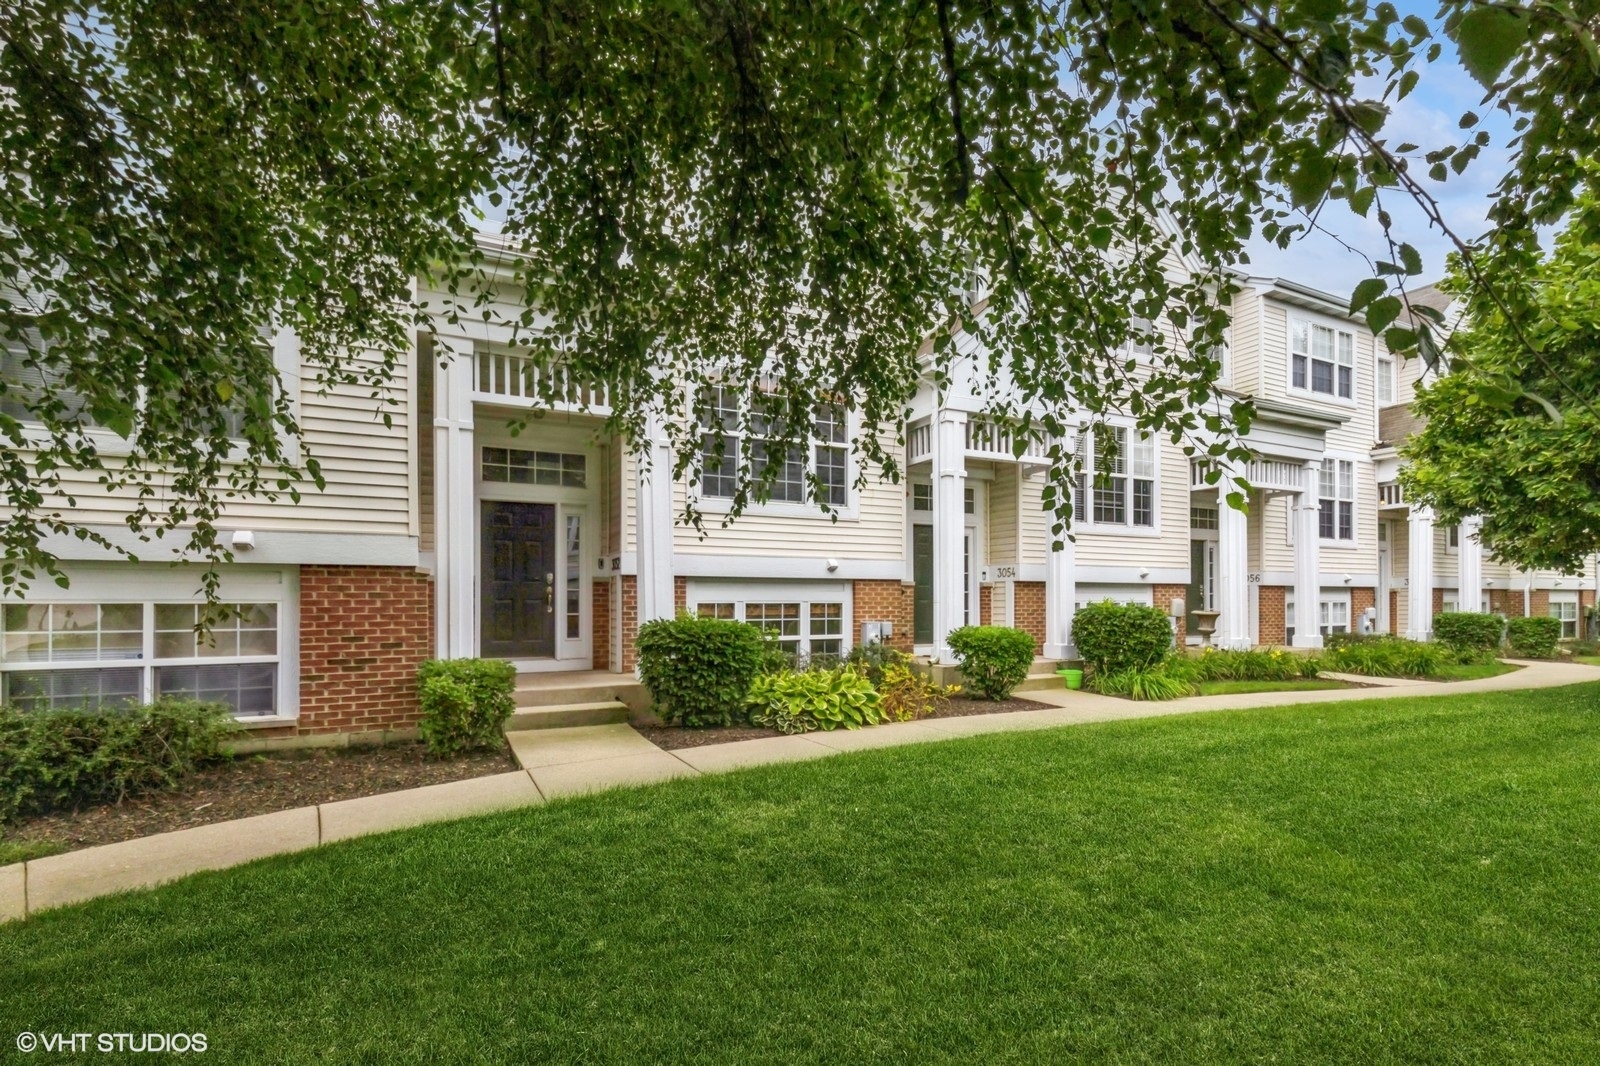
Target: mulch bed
[
  {"x": 672, "y": 737},
  {"x": 258, "y": 784}
]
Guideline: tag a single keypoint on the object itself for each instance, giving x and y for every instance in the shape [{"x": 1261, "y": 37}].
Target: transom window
[
  {"x": 1336, "y": 507},
  {"x": 1202, "y": 517},
  {"x": 922, "y": 497},
  {"x": 103, "y": 655},
  {"x": 519, "y": 467},
  {"x": 1322, "y": 359},
  {"x": 1122, "y": 474},
  {"x": 825, "y": 456}
]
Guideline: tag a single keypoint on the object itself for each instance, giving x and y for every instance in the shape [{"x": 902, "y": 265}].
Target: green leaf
[
  {"x": 1399, "y": 338},
  {"x": 1488, "y": 38},
  {"x": 1309, "y": 181},
  {"x": 1381, "y": 312},
  {"x": 1411, "y": 259},
  {"x": 1366, "y": 292}
]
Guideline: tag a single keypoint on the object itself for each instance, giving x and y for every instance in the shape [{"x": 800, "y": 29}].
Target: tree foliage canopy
[
  {"x": 1512, "y": 430},
  {"x": 798, "y": 195}
]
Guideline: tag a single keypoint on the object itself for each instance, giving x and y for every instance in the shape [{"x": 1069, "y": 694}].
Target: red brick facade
[
  {"x": 879, "y": 601},
  {"x": 1361, "y": 600},
  {"x": 600, "y": 624},
  {"x": 1161, "y": 597},
  {"x": 364, "y": 630},
  {"x": 1028, "y": 611},
  {"x": 1271, "y": 615},
  {"x": 629, "y": 620},
  {"x": 1394, "y": 612},
  {"x": 985, "y": 605}
]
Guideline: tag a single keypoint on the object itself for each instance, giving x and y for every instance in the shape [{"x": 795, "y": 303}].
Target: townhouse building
[{"x": 444, "y": 533}]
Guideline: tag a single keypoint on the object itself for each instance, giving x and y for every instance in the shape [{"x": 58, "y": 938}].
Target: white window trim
[
  {"x": 1337, "y": 542},
  {"x": 1381, "y": 360},
  {"x": 1566, "y": 599},
  {"x": 130, "y": 583},
  {"x": 722, "y": 505},
  {"x": 1083, "y": 520},
  {"x": 1308, "y": 392},
  {"x": 1324, "y": 596},
  {"x": 285, "y": 356},
  {"x": 805, "y": 593}
]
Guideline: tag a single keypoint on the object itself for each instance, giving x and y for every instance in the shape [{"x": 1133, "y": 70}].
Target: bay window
[{"x": 1322, "y": 359}]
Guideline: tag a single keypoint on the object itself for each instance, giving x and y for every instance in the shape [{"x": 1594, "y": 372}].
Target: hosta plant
[{"x": 816, "y": 699}]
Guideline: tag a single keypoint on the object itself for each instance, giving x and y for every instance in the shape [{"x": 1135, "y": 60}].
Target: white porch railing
[
  {"x": 984, "y": 440},
  {"x": 1268, "y": 475},
  {"x": 1390, "y": 495},
  {"x": 521, "y": 380},
  {"x": 989, "y": 440}
]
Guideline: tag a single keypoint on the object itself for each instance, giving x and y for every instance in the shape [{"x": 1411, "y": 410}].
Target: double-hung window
[
  {"x": 1117, "y": 477},
  {"x": 801, "y": 629},
  {"x": 1336, "y": 503},
  {"x": 1333, "y": 614},
  {"x": 1387, "y": 386},
  {"x": 1322, "y": 359},
  {"x": 824, "y": 455}
]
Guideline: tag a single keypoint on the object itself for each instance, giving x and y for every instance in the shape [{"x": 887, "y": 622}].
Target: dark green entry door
[
  {"x": 518, "y": 567},
  {"x": 922, "y": 575}
]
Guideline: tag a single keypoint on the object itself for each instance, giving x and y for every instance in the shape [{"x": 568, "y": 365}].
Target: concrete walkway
[{"x": 564, "y": 762}]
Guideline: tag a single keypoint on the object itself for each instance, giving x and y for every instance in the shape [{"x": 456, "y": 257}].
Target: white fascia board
[{"x": 272, "y": 547}]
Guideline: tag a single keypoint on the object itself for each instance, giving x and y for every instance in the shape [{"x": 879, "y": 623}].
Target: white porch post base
[
  {"x": 949, "y": 527},
  {"x": 455, "y": 511},
  {"x": 1419, "y": 572},
  {"x": 655, "y": 591},
  {"x": 1469, "y": 564},
  {"x": 1233, "y": 578},
  {"x": 1308, "y": 563}
]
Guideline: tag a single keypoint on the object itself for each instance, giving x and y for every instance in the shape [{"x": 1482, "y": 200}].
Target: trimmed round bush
[
  {"x": 1112, "y": 637},
  {"x": 994, "y": 659},
  {"x": 1533, "y": 638},
  {"x": 699, "y": 670},
  {"x": 465, "y": 703},
  {"x": 1466, "y": 631}
]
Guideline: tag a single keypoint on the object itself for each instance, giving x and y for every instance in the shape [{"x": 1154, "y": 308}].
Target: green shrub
[
  {"x": 1114, "y": 636},
  {"x": 1464, "y": 631},
  {"x": 1388, "y": 657},
  {"x": 1533, "y": 638},
  {"x": 1256, "y": 664},
  {"x": 872, "y": 660},
  {"x": 907, "y": 693},
  {"x": 61, "y": 759},
  {"x": 1165, "y": 680},
  {"x": 699, "y": 670},
  {"x": 816, "y": 699},
  {"x": 994, "y": 659},
  {"x": 465, "y": 703}
]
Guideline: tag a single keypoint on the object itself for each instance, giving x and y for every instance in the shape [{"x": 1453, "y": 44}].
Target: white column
[
  {"x": 1233, "y": 566},
  {"x": 455, "y": 515},
  {"x": 1469, "y": 562},
  {"x": 1060, "y": 590},
  {"x": 1308, "y": 562},
  {"x": 1419, "y": 574},
  {"x": 654, "y": 554},
  {"x": 949, "y": 525}
]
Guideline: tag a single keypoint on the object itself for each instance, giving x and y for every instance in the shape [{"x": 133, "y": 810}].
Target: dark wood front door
[{"x": 519, "y": 573}]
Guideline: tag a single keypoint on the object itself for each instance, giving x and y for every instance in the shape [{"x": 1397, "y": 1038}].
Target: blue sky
[{"x": 1429, "y": 117}]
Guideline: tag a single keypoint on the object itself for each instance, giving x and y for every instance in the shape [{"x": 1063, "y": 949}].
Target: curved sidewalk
[{"x": 561, "y": 762}]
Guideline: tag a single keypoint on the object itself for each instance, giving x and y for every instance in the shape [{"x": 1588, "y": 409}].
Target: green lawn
[
  {"x": 1361, "y": 881},
  {"x": 1473, "y": 671},
  {"x": 1588, "y": 660},
  {"x": 1234, "y": 688},
  {"x": 21, "y": 851}
]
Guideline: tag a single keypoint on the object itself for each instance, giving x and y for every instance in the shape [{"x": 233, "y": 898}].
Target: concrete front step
[
  {"x": 567, "y": 715},
  {"x": 623, "y": 689}
]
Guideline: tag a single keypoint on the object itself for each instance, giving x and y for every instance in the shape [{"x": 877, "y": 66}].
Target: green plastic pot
[{"x": 1073, "y": 678}]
